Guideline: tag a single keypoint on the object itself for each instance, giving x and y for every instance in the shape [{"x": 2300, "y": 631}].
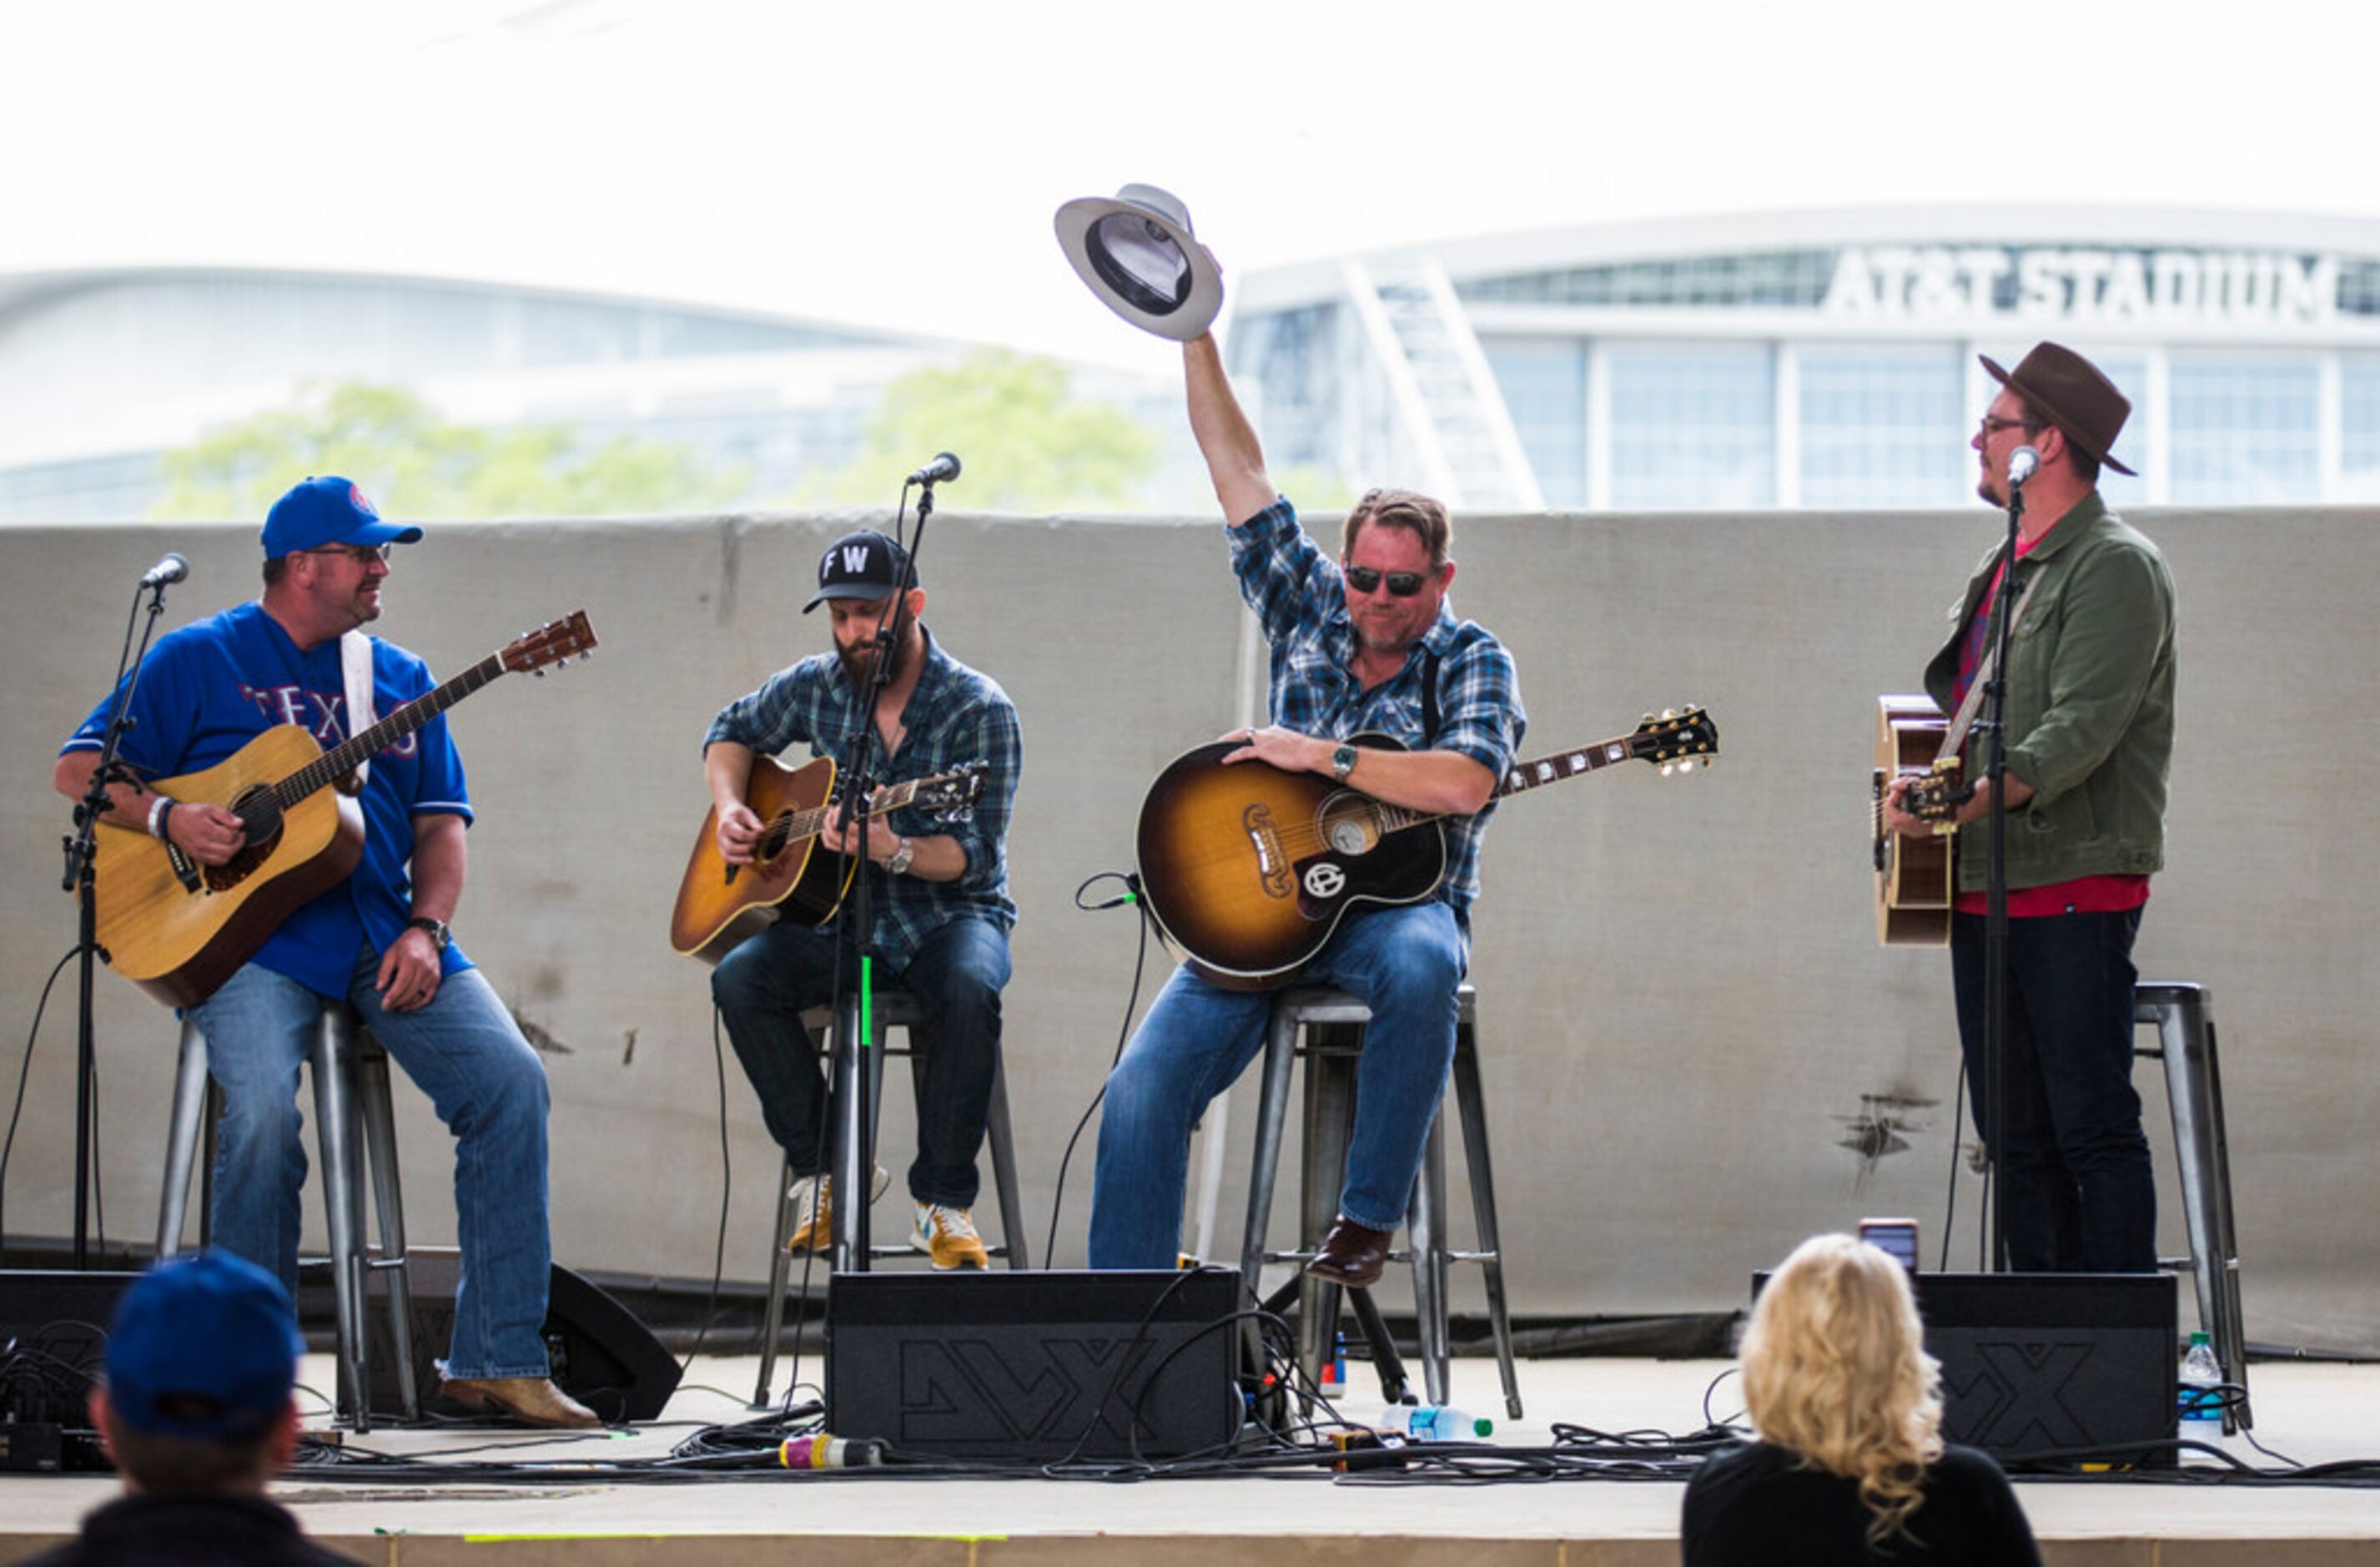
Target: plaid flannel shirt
[
  {"x": 1300, "y": 596},
  {"x": 954, "y": 716}
]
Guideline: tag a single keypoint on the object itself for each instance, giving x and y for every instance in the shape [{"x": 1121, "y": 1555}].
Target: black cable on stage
[
  {"x": 24, "y": 1075},
  {"x": 1129, "y": 898}
]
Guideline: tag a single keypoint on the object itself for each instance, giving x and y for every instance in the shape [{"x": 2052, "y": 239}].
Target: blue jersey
[{"x": 214, "y": 685}]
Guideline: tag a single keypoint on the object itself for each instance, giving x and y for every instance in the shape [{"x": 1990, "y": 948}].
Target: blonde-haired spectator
[{"x": 1849, "y": 1464}]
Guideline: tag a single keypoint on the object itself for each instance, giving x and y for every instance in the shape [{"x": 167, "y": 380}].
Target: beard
[{"x": 856, "y": 663}]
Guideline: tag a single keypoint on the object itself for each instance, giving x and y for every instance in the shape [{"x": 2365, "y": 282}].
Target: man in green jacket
[{"x": 2090, "y": 684}]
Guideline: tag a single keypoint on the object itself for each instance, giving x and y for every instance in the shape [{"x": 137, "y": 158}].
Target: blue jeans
[
  {"x": 2073, "y": 1166},
  {"x": 956, "y": 974},
  {"x": 1404, "y": 963},
  {"x": 462, "y": 1050}
]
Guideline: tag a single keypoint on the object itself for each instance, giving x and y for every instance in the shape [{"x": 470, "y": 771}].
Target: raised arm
[{"x": 1234, "y": 457}]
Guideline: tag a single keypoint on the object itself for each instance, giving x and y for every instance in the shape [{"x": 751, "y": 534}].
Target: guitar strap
[
  {"x": 355, "y": 659},
  {"x": 1955, "y": 737},
  {"x": 1429, "y": 700}
]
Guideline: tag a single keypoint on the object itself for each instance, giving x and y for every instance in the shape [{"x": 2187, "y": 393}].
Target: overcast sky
[{"x": 899, "y": 162}]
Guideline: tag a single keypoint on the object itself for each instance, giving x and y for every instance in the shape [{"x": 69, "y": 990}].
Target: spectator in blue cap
[{"x": 197, "y": 1415}]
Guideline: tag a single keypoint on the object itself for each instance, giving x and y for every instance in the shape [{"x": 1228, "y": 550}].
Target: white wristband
[{"x": 157, "y": 818}]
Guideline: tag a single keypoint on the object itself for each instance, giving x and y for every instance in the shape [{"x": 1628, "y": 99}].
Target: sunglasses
[
  {"x": 362, "y": 553},
  {"x": 1401, "y": 584}
]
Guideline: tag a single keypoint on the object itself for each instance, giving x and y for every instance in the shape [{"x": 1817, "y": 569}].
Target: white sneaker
[
  {"x": 947, "y": 1235},
  {"x": 814, "y": 1211}
]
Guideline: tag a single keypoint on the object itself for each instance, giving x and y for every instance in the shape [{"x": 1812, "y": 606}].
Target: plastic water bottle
[
  {"x": 1435, "y": 1423},
  {"x": 2201, "y": 1381}
]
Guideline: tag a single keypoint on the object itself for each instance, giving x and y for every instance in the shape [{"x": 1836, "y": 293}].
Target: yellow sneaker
[
  {"x": 814, "y": 1211},
  {"x": 947, "y": 1235}
]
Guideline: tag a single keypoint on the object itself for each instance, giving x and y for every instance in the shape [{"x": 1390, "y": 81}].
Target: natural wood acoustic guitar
[
  {"x": 1913, "y": 875},
  {"x": 178, "y": 929}
]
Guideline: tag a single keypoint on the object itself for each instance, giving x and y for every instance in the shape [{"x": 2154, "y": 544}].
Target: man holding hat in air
[
  {"x": 939, "y": 897},
  {"x": 2090, "y": 712}
]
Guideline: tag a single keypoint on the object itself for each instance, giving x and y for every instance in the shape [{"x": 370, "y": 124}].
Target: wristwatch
[
  {"x": 439, "y": 934},
  {"x": 897, "y": 863},
  {"x": 1343, "y": 762}
]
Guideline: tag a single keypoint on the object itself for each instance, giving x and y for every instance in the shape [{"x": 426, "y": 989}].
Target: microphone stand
[
  {"x": 1993, "y": 725},
  {"x": 81, "y": 878},
  {"x": 853, "y": 1031}
]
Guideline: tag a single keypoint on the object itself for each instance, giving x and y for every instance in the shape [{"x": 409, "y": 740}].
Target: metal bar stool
[
  {"x": 891, "y": 1009},
  {"x": 351, "y": 1108},
  {"x": 1326, "y": 1025},
  {"x": 2184, "y": 1016}
]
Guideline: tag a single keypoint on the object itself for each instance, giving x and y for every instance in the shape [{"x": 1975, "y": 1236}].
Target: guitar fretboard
[
  {"x": 795, "y": 826},
  {"x": 345, "y": 757},
  {"x": 1568, "y": 764},
  {"x": 1519, "y": 776}
]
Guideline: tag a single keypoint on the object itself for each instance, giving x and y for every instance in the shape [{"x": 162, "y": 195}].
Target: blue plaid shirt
[
  {"x": 956, "y": 715},
  {"x": 1301, "y": 599}
]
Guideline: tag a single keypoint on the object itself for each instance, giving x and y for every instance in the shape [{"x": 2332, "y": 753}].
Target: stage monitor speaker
[
  {"x": 53, "y": 1326},
  {"x": 1034, "y": 1367},
  {"x": 601, "y": 1354},
  {"x": 57, "y": 1321},
  {"x": 2033, "y": 1362}
]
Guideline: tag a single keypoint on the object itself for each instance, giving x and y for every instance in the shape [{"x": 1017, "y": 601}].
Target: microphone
[
  {"x": 941, "y": 470},
  {"x": 2021, "y": 462},
  {"x": 173, "y": 568}
]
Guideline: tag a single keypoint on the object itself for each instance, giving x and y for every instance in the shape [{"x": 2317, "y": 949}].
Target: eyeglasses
[
  {"x": 1401, "y": 584},
  {"x": 1991, "y": 427},
  {"x": 363, "y": 554}
]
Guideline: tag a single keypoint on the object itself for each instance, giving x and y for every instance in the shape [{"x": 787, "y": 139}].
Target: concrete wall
[{"x": 1684, "y": 1009}]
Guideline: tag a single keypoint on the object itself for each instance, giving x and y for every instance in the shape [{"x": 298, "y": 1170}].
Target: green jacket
[{"x": 2089, "y": 702}]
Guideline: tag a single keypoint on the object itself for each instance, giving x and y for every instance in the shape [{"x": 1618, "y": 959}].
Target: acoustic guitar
[
  {"x": 719, "y": 904},
  {"x": 1249, "y": 869},
  {"x": 178, "y": 929},
  {"x": 1913, "y": 875}
]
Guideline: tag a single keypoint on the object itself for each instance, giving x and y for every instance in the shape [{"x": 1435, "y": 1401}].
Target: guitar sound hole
[
  {"x": 1349, "y": 837},
  {"x": 260, "y": 818}
]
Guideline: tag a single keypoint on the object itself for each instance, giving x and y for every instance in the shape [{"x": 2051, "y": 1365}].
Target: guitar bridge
[{"x": 1273, "y": 865}]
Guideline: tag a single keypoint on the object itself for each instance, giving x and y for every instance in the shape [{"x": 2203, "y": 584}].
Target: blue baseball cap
[
  {"x": 329, "y": 510},
  {"x": 205, "y": 1347}
]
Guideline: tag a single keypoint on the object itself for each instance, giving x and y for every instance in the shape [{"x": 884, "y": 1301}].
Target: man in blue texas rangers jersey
[{"x": 377, "y": 940}]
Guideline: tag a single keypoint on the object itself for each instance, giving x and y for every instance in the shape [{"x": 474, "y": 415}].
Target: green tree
[
  {"x": 1030, "y": 445},
  {"x": 399, "y": 449}
]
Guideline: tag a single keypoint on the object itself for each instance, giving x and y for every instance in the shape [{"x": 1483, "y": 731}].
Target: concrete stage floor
[{"x": 2314, "y": 1414}]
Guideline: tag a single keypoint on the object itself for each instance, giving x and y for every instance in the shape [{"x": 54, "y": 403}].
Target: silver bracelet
[{"x": 157, "y": 816}]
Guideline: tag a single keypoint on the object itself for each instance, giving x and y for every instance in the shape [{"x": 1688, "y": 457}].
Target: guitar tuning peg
[
  {"x": 1668, "y": 712},
  {"x": 539, "y": 671}
]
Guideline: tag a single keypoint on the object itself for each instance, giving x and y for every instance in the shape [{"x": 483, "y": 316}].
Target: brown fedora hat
[{"x": 2068, "y": 390}]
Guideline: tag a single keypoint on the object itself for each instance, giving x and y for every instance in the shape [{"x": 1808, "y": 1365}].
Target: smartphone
[{"x": 1897, "y": 1238}]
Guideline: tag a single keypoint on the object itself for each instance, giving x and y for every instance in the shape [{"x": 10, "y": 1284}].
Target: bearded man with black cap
[
  {"x": 940, "y": 903},
  {"x": 2090, "y": 714}
]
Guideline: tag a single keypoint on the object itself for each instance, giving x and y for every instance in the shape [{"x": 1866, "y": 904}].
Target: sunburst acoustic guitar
[
  {"x": 1249, "y": 869},
  {"x": 719, "y": 904}
]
